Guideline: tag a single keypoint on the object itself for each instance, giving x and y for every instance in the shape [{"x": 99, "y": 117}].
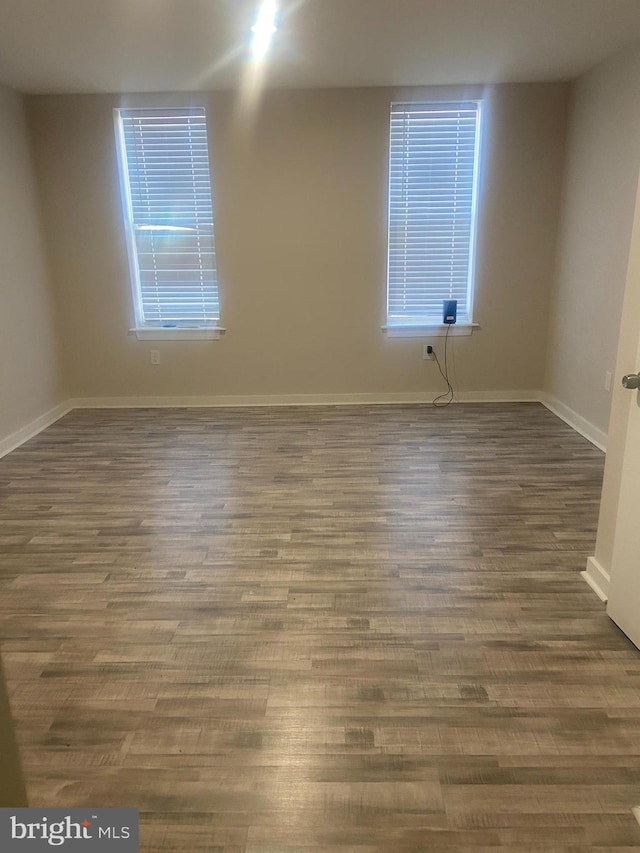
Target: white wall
[
  {"x": 598, "y": 199},
  {"x": 30, "y": 376}
]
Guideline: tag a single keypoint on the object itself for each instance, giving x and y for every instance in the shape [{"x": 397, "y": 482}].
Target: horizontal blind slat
[
  {"x": 432, "y": 179},
  {"x": 167, "y": 168}
]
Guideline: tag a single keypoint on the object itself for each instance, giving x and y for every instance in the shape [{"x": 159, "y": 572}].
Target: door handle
[{"x": 631, "y": 380}]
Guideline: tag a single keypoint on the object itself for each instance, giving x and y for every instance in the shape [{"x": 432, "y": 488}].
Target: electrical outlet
[
  {"x": 428, "y": 353},
  {"x": 155, "y": 356},
  {"x": 607, "y": 381}
]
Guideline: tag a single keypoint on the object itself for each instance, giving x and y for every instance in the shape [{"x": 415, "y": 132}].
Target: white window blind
[
  {"x": 166, "y": 185},
  {"x": 433, "y": 176}
]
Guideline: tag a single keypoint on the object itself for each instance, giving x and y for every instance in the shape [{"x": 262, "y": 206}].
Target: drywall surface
[
  {"x": 300, "y": 196},
  {"x": 603, "y": 158},
  {"x": 31, "y": 381}
]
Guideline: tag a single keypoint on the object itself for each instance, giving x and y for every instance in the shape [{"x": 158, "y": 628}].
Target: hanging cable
[{"x": 446, "y": 398}]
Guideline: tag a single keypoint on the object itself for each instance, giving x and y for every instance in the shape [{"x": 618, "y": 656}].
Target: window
[
  {"x": 166, "y": 192},
  {"x": 433, "y": 179}
]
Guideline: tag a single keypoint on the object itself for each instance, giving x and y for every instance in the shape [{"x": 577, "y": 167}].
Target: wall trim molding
[
  {"x": 245, "y": 400},
  {"x": 598, "y": 578},
  {"x": 30, "y": 430},
  {"x": 587, "y": 430}
]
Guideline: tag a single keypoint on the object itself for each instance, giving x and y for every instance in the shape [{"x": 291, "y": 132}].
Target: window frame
[
  {"x": 145, "y": 330},
  {"x": 430, "y": 326}
]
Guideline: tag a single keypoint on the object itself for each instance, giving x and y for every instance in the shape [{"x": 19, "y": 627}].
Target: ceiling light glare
[{"x": 264, "y": 28}]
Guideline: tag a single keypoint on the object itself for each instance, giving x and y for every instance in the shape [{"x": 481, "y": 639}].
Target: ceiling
[{"x": 182, "y": 45}]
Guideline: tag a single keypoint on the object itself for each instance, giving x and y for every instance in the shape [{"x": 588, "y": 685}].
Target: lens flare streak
[{"x": 264, "y": 28}]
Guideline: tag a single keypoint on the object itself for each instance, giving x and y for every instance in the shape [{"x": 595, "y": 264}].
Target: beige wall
[
  {"x": 30, "y": 380},
  {"x": 595, "y": 228},
  {"x": 300, "y": 196},
  {"x": 628, "y": 67},
  {"x": 599, "y": 196}
]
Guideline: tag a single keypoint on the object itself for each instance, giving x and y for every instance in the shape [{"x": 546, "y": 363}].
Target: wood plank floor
[{"x": 319, "y": 630}]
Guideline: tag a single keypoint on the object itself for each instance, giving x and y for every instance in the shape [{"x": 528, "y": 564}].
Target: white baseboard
[
  {"x": 243, "y": 400},
  {"x": 597, "y": 578},
  {"x": 11, "y": 442},
  {"x": 587, "y": 430},
  {"x": 19, "y": 437}
]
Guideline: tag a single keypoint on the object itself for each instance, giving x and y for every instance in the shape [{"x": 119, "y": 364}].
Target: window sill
[
  {"x": 177, "y": 334},
  {"x": 436, "y": 330}
]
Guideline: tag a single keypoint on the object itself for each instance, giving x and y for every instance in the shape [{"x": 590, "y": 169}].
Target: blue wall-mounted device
[{"x": 449, "y": 310}]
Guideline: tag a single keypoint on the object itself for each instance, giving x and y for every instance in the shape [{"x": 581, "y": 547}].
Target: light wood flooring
[{"x": 319, "y": 630}]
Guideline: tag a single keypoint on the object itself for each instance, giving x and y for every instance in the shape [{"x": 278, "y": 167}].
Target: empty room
[{"x": 319, "y": 376}]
